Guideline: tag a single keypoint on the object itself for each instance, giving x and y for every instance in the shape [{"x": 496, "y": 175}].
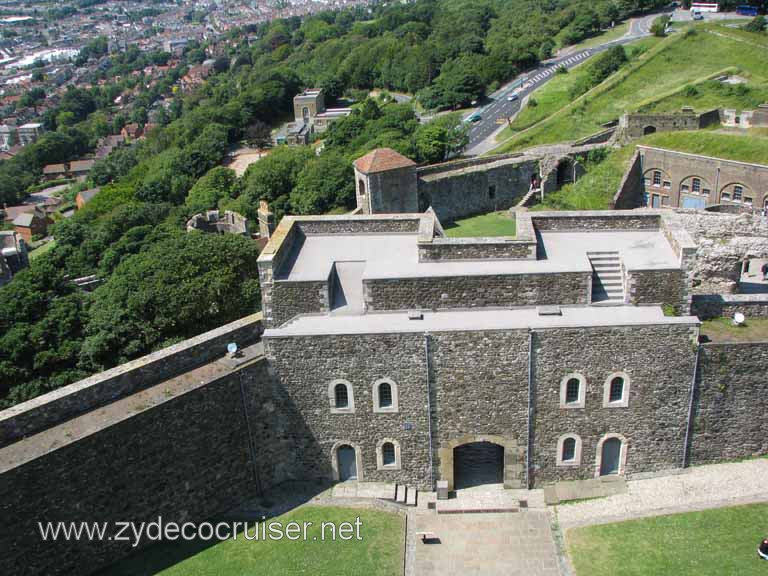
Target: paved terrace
[{"x": 477, "y": 319}]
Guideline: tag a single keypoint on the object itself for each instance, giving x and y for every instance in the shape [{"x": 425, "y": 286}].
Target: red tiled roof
[{"x": 381, "y": 160}]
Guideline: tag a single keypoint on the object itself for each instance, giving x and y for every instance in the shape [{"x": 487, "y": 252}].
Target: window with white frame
[
  {"x": 388, "y": 455},
  {"x": 385, "y": 396},
  {"x": 737, "y": 193},
  {"x": 616, "y": 390},
  {"x": 696, "y": 185},
  {"x": 572, "y": 391},
  {"x": 667, "y": 184},
  {"x": 341, "y": 397},
  {"x": 656, "y": 178},
  {"x": 568, "y": 450}
]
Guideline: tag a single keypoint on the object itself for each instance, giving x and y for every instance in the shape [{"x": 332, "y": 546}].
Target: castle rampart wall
[
  {"x": 717, "y": 305},
  {"x": 731, "y": 403}
]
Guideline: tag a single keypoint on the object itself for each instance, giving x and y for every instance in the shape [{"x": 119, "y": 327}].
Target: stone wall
[
  {"x": 392, "y": 191},
  {"x": 629, "y": 195},
  {"x": 359, "y": 225},
  {"x": 476, "y": 249},
  {"x": 658, "y": 287},
  {"x": 726, "y": 305},
  {"x": 306, "y": 366},
  {"x": 597, "y": 220},
  {"x": 634, "y": 126},
  {"x": 290, "y": 298},
  {"x": 477, "y": 291},
  {"x": 731, "y": 403},
  {"x": 184, "y": 457},
  {"x": 460, "y": 190},
  {"x": 659, "y": 362},
  {"x": 67, "y": 402},
  {"x": 479, "y": 383}
]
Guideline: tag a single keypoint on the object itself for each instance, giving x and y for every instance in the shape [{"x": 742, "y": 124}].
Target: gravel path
[{"x": 696, "y": 488}]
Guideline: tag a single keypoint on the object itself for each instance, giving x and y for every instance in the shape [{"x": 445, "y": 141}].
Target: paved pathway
[
  {"x": 512, "y": 544},
  {"x": 696, "y": 488}
]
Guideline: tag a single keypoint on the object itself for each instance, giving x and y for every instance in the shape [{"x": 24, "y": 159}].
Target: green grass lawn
[
  {"x": 379, "y": 553},
  {"x": 719, "y": 542},
  {"x": 659, "y": 73},
  {"x": 724, "y": 330},
  {"x": 484, "y": 225}
]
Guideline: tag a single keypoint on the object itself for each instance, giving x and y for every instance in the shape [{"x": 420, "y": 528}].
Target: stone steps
[{"x": 607, "y": 278}]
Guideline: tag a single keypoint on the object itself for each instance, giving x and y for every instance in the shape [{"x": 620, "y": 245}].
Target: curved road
[{"x": 482, "y": 132}]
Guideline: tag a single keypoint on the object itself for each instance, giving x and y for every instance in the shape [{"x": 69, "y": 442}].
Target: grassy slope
[
  {"x": 678, "y": 60},
  {"x": 379, "y": 553},
  {"x": 596, "y": 188},
  {"x": 484, "y": 225},
  {"x": 709, "y": 543}
]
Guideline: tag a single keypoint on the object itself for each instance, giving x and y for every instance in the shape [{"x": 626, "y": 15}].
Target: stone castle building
[
  {"x": 310, "y": 116},
  {"x": 386, "y": 351}
]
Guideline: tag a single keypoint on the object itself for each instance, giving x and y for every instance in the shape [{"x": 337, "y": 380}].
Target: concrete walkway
[{"x": 695, "y": 488}]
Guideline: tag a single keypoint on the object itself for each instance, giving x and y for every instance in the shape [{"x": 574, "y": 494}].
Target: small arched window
[
  {"x": 361, "y": 187},
  {"x": 385, "y": 396},
  {"x": 388, "y": 454},
  {"x": 341, "y": 396},
  {"x": 616, "y": 390},
  {"x": 572, "y": 391},
  {"x": 569, "y": 449}
]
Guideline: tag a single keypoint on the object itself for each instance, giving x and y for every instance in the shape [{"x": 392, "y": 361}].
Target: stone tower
[{"x": 386, "y": 183}]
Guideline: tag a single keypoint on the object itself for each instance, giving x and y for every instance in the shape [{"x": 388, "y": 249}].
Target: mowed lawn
[
  {"x": 484, "y": 225},
  {"x": 379, "y": 553},
  {"x": 719, "y": 542},
  {"x": 724, "y": 330}
]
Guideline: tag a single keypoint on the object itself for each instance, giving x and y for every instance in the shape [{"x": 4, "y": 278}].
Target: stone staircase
[
  {"x": 607, "y": 278},
  {"x": 527, "y": 197}
]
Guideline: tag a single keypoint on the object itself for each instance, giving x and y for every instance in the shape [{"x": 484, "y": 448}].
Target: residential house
[{"x": 32, "y": 224}]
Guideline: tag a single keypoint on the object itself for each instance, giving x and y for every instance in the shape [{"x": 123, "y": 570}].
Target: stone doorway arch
[{"x": 513, "y": 471}]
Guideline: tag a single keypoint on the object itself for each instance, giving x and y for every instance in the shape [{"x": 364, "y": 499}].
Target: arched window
[
  {"x": 616, "y": 390},
  {"x": 340, "y": 396},
  {"x": 388, "y": 454},
  {"x": 568, "y": 450},
  {"x": 572, "y": 391},
  {"x": 611, "y": 455},
  {"x": 361, "y": 187},
  {"x": 385, "y": 396}
]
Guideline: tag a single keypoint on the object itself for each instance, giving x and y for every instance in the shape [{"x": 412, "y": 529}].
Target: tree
[
  {"x": 326, "y": 182},
  {"x": 659, "y": 26},
  {"x": 438, "y": 140},
  {"x": 272, "y": 177},
  {"x": 177, "y": 288},
  {"x": 221, "y": 64},
  {"x": 757, "y": 24},
  {"x": 217, "y": 183},
  {"x": 258, "y": 134}
]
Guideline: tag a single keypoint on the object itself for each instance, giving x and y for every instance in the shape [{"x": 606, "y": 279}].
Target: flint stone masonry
[
  {"x": 658, "y": 287},
  {"x": 634, "y": 126},
  {"x": 726, "y": 305},
  {"x": 723, "y": 242},
  {"x": 179, "y": 450},
  {"x": 731, "y": 403},
  {"x": 629, "y": 195},
  {"x": 70, "y": 401},
  {"x": 471, "y": 187},
  {"x": 306, "y": 365},
  {"x": 478, "y": 291},
  {"x": 476, "y": 249},
  {"x": 292, "y": 298},
  {"x": 596, "y": 220},
  {"x": 659, "y": 361}
]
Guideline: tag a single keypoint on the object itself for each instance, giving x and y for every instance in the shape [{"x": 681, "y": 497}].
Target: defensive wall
[{"x": 636, "y": 125}]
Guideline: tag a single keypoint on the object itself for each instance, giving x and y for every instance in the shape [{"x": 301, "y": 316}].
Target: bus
[
  {"x": 746, "y": 10},
  {"x": 702, "y": 7}
]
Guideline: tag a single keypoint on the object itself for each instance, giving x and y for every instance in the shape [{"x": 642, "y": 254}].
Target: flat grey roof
[
  {"x": 390, "y": 256},
  {"x": 639, "y": 249},
  {"x": 477, "y": 319}
]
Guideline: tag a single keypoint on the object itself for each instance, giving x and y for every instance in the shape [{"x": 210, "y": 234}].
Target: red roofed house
[
  {"x": 32, "y": 224},
  {"x": 385, "y": 182},
  {"x": 54, "y": 171}
]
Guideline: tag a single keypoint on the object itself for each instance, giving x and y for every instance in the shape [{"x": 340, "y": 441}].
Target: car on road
[
  {"x": 512, "y": 97},
  {"x": 476, "y": 117}
]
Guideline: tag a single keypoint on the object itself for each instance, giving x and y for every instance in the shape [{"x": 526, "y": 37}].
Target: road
[{"x": 499, "y": 108}]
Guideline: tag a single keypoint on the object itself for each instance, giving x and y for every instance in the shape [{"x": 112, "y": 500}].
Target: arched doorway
[
  {"x": 649, "y": 130},
  {"x": 478, "y": 463},
  {"x": 610, "y": 460},
  {"x": 564, "y": 173},
  {"x": 347, "y": 463},
  {"x": 499, "y": 458}
]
